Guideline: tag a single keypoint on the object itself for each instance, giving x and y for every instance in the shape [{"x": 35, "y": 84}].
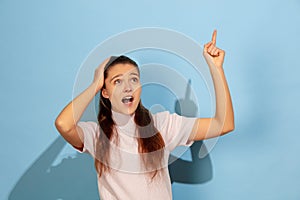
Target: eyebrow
[{"x": 116, "y": 76}]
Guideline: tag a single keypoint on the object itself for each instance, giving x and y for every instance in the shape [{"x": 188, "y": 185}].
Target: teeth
[{"x": 127, "y": 99}]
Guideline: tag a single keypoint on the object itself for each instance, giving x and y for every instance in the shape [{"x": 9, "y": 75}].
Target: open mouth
[{"x": 127, "y": 99}]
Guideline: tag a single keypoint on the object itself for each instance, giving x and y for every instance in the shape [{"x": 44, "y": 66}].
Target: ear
[{"x": 104, "y": 93}]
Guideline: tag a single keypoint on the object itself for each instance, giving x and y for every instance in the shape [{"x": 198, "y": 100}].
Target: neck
[{"x": 120, "y": 118}]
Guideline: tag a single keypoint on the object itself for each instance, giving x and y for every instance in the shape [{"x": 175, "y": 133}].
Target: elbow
[
  {"x": 61, "y": 126},
  {"x": 229, "y": 128}
]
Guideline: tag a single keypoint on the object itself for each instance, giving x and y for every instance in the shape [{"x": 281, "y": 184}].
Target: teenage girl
[{"x": 130, "y": 145}]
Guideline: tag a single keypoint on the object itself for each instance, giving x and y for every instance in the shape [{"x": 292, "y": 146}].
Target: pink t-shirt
[{"x": 128, "y": 179}]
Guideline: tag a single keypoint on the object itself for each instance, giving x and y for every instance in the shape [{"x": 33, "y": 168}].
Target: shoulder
[
  {"x": 89, "y": 128},
  {"x": 90, "y": 131},
  {"x": 164, "y": 115},
  {"x": 90, "y": 125},
  {"x": 165, "y": 119},
  {"x": 170, "y": 121},
  {"x": 175, "y": 129},
  {"x": 160, "y": 117}
]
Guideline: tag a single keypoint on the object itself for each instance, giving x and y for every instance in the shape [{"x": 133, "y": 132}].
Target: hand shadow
[{"x": 199, "y": 170}]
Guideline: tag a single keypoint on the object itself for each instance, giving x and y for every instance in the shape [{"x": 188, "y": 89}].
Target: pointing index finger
[{"x": 214, "y": 37}]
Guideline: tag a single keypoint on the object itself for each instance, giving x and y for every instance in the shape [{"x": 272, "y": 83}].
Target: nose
[{"x": 127, "y": 87}]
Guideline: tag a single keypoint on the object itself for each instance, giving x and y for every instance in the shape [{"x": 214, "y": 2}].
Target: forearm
[
  {"x": 224, "y": 115},
  {"x": 223, "y": 121},
  {"x": 72, "y": 113}
]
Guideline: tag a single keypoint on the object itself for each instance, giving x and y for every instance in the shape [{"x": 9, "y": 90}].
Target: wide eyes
[
  {"x": 132, "y": 80},
  {"x": 117, "y": 81}
]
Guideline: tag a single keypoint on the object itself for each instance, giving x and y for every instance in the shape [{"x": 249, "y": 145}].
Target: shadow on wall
[
  {"x": 200, "y": 169},
  {"x": 75, "y": 178}
]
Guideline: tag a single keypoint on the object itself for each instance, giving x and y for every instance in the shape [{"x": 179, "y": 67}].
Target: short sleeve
[
  {"x": 90, "y": 131},
  {"x": 175, "y": 129}
]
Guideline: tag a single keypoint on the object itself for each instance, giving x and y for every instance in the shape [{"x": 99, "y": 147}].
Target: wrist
[{"x": 94, "y": 88}]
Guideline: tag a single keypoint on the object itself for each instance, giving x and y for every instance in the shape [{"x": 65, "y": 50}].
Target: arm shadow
[
  {"x": 199, "y": 170},
  {"x": 72, "y": 178}
]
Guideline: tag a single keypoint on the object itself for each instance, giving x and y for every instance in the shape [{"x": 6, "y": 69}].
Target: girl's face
[{"x": 123, "y": 88}]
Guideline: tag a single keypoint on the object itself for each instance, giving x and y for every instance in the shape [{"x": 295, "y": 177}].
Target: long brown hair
[{"x": 149, "y": 139}]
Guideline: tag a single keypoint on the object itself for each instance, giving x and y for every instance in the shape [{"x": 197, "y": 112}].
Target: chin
[{"x": 131, "y": 112}]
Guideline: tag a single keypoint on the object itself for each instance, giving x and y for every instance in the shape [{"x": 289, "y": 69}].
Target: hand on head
[{"x": 99, "y": 75}]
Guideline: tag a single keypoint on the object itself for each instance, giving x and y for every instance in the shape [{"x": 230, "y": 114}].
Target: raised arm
[
  {"x": 223, "y": 121},
  {"x": 66, "y": 121}
]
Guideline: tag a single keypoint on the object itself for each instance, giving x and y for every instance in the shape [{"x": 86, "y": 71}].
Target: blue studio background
[{"x": 43, "y": 43}]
